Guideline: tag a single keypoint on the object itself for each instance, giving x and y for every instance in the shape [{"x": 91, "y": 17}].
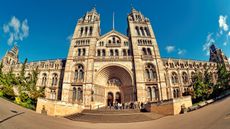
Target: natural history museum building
[{"x": 103, "y": 69}]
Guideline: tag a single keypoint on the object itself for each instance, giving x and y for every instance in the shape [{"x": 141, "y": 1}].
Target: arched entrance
[
  {"x": 114, "y": 82},
  {"x": 110, "y": 99}
]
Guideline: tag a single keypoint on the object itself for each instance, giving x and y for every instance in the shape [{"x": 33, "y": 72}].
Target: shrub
[
  {"x": 23, "y": 96},
  {"x": 17, "y": 100},
  {"x": 1, "y": 94}
]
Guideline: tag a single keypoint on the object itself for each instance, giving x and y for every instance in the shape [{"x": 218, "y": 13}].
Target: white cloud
[
  {"x": 6, "y": 28},
  {"x": 15, "y": 23},
  {"x": 11, "y": 39},
  {"x": 222, "y": 23},
  {"x": 16, "y": 30},
  {"x": 69, "y": 38},
  {"x": 181, "y": 51},
  {"x": 25, "y": 29},
  {"x": 225, "y": 43},
  {"x": 209, "y": 41},
  {"x": 170, "y": 49}
]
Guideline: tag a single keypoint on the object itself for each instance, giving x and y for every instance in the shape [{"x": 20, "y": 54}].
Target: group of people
[{"x": 129, "y": 105}]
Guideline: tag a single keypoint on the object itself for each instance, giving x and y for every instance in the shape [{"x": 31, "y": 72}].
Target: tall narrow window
[
  {"x": 142, "y": 31},
  {"x": 149, "y": 51},
  {"x": 81, "y": 31},
  {"x": 116, "y": 52},
  {"x": 86, "y": 30},
  {"x": 79, "y": 73},
  {"x": 137, "y": 30},
  {"x": 111, "y": 52},
  {"x": 83, "y": 51},
  {"x": 79, "y": 94},
  {"x": 174, "y": 78},
  {"x": 151, "y": 73},
  {"x": 79, "y": 52},
  {"x": 98, "y": 52},
  {"x": 54, "y": 79},
  {"x": 144, "y": 51},
  {"x": 147, "y": 31},
  {"x": 114, "y": 40},
  {"x": 185, "y": 77},
  {"x": 74, "y": 94},
  {"x": 44, "y": 78},
  {"x": 90, "y": 30},
  {"x": 124, "y": 52},
  {"x": 149, "y": 92},
  {"x": 103, "y": 52}
]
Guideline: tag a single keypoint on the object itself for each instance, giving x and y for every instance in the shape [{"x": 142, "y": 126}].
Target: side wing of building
[{"x": 179, "y": 74}]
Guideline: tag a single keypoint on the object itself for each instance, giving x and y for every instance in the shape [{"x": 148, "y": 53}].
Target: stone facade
[{"x": 102, "y": 69}]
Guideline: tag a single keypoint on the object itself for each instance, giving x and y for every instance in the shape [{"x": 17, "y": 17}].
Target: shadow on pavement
[{"x": 1, "y": 121}]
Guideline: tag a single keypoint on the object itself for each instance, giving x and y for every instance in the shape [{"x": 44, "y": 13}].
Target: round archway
[{"x": 117, "y": 80}]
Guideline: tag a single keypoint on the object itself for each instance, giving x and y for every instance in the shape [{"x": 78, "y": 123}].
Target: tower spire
[{"x": 113, "y": 22}]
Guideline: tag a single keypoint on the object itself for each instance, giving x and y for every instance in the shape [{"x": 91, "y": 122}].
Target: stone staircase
[{"x": 105, "y": 115}]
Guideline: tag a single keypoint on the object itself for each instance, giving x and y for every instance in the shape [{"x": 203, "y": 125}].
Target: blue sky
[{"x": 183, "y": 29}]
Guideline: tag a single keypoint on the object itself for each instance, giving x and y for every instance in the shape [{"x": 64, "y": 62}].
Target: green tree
[
  {"x": 222, "y": 81},
  {"x": 8, "y": 81},
  {"x": 223, "y": 77},
  {"x": 1, "y": 67},
  {"x": 22, "y": 82},
  {"x": 201, "y": 90},
  {"x": 34, "y": 91}
]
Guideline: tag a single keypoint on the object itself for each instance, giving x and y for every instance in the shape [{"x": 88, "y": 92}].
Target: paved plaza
[{"x": 214, "y": 116}]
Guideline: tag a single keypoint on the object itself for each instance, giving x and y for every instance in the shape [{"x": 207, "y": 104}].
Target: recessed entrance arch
[{"x": 115, "y": 81}]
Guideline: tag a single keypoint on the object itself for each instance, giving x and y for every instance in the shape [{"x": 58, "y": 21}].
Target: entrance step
[
  {"x": 113, "y": 116},
  {"x": 111, "y": 111}
]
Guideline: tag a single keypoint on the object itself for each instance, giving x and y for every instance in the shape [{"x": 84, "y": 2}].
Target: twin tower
[{"x": 109, "y": 68}]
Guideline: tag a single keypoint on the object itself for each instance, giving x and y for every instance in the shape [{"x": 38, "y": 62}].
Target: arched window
[
  {"x": 150, "y": 72},
  {"x": 53, "y": 94},
  {"x": 79, "y": 94},
  {"x": 149, "y": 51},
  {"x": 124, "y": 52},
  {"x": 79, "y": 73},
  {"x": 103, "y": 52},
  {"x": 111, "y": 52},
  {"x": 154, "y": 93},
  {"x": 185, "y": 77},
  {"x": 98, "y": 52},
  {"x": 174, "y": 78},
  {"x": 54, "y": 79},
  {"x": 147, "y": 31},
  {"x": 193, "y": 76},
  {"x": 142, "y": 31},
  {"x": 116, "y": 52},
  {"x": 86, "y": 30},
  {"x": 83, "y": 51},
  {"x": 176, "y": 93},
  {"x": 74, "y": 94},
  {"x": 149, "y": 93},
  {"x": 144, "y": 51},
  {"x": 44, "y": 78},
  {"x": 81, "y": 31},
  {"x": 90, "y": 30},
  {"x": 114, "y": 41},
  {"x": 137, "y": 31},
  {"x": 79, "y": 52}
]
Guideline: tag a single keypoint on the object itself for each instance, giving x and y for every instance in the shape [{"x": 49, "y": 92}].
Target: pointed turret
[{"x": 11, "y": 57}]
